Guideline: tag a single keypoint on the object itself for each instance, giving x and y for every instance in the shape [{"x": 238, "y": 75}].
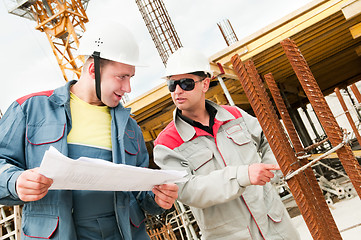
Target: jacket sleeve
[
  {"x": 145, "y": 199},
  {"x": 12, "y": 153},
  {"x": 202, "y": 191}
]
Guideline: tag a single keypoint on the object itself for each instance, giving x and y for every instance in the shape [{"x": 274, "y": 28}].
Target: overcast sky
[{"x": 28, "y": 65}]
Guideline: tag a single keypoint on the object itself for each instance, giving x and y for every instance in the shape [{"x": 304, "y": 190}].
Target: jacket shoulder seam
[{"x": 23, "y": 99}]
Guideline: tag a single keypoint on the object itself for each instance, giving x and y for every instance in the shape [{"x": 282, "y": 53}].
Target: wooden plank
[
  {"x": 286, "y": 30},
  {"x": 356, "y": 30},
  {"x": 149, "y": 99},
  {"x": 352, "y": 9},
  {"x": 358, "y": 50}
]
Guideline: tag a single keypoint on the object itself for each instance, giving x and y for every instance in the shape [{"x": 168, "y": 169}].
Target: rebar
[
  {"x": 315, "y": 145},
  {"x": 356, "y": 92},
  {"x": 323, "y": 112},
  {"x": 306, "y": 166},
  {"x": 160, "y": 27},
  {"x": 348, "y": 115},
  {"x": 320, "y": 203},
  {"x": 278, "y": 142}
]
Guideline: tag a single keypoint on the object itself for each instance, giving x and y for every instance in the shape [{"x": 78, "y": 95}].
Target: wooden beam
[
  {"x": 149, "y": 99},
  {"x": 226, "y": 73},
  {"x": 356, "y": 30},
  {"x": 240, "y": 99},
  {"x": 352, "y": 9},
  {"x": 272, "y": 35},
  {"x": 358, "y": 51}
]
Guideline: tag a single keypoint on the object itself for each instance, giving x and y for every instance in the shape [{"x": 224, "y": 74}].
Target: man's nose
[
  {"x": 126, "y": 86},
  {"x": 178, "y": 89}
]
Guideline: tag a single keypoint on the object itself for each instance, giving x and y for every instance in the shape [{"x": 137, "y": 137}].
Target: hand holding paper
[{"x": 97, "y": 174}]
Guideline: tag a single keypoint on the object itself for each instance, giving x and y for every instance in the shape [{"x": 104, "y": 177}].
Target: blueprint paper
[{"x": 96, "y": 174}]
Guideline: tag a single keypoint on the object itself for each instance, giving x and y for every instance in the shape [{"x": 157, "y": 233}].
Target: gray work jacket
[{"x": 219, "y": 193}]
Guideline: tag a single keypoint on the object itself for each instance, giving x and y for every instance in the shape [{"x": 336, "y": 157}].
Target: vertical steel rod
[
  {"x": 279, "y": 143},
  {"x": 322, "y": 110},
  {"x": 348, "y": 115},
  {"x": 356, "y": 92},
  {"x": 324, "y": 213}
]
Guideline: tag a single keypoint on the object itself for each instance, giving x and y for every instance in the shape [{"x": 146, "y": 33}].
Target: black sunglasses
[{"x": 187, "y": 84}]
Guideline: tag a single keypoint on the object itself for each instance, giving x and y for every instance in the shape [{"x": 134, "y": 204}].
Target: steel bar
[
  {"x": 225, "y": 90},
  {"x": 304, "y": 167},
  {"x": 348, "y": 115},
  {"x": 356, "y": 106},
  {"x": 304, "y": 184},
  {"x": 356, "y": 92},
  {"x": 280, "y": 146},
  {"x": 320, "y": 203},
  {"x": 322, "y": 110},
  {"x": 315, "y": 145}
]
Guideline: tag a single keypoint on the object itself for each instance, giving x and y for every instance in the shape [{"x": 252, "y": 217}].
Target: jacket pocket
[
  {"x": 238, "y": 135},
  {"x": 131, "y": 142},
  {"x": 108, "y": 227},
  {"x": 136, "y": 215},
  {"x": 40, "y": 226},
  {"x": 202, "y": 161},
  {"x": 276, "y": 212},
  {"x": 45, "y": 133}
]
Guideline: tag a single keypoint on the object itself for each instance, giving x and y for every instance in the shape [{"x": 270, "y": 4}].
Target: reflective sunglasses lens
[
  {"x": 171, "y": 85},
  {"x": 187, "y": 84}
]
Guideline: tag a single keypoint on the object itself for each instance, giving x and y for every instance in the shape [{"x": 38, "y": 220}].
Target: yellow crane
[{"x": 63, "y": 22}]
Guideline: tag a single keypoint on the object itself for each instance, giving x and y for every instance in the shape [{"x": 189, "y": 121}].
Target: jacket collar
[
  {"x": 61, "y": 95},
  {"x": 187, "y": 132}
]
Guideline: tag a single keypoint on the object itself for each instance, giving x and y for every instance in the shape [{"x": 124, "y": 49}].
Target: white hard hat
[
  {"x": 187, "y": 60},
  {"x": 113, "y": 41}
]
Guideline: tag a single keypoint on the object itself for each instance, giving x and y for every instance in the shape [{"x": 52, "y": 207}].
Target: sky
[{"x": 27, "y": 63}]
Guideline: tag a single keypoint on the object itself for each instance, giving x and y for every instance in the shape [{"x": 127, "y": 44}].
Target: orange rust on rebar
[
  {"x": 309, "y": 148},
  {"x": 323, "y": 112},
  {"x": 279, "y": 145},
  {"x": 356, "y": 92},
  {"x": 348, "y": 115},
  {"x": 325, "y": 216},
  {"x": 304, "y": 184}
]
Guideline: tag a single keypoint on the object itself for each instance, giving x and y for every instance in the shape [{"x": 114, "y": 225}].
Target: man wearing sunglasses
[{"x": 226, "y": 155}]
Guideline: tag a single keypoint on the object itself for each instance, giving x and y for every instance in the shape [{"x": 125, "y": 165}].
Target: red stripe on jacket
[
  {"x": 26, "y": 97},
  {"x": 170, "y": 137}
]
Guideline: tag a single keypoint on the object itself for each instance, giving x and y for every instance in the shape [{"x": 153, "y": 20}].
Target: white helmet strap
[{"x": 96, "y": 56}]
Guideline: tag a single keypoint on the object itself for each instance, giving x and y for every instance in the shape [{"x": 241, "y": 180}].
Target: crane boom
[{"x": 63, "y": 22}]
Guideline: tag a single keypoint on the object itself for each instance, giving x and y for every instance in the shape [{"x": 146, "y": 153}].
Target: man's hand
[
  {"x": 32, "y": 186},
  {"x": 165, "y": 195},
  {"x": 260, "y": 173}
]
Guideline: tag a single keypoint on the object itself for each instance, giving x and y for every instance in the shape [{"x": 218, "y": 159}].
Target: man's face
[
  {"x": 188, "y": 101},
  {"x": 115, "y": 81}
]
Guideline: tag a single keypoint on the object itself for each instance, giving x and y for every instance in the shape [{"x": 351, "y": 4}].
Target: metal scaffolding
[
  {"x": 227, "y": 32},
  {"x": 160, "y": 27}
]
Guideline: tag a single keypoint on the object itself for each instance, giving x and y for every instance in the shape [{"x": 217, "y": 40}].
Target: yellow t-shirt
[{"x": 91, "y": 124}]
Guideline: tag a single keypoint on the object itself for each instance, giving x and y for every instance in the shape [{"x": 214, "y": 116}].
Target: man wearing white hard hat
[
  {"x": 226, "y": 155},
  {"x": 81, "y": 119}
]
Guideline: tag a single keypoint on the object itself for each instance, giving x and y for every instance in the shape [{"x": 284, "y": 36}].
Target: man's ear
[
  {"x": 91, "y": 70},
  {"x": 206, "y": 83}
]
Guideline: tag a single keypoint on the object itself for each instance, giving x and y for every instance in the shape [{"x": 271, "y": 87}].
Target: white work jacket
[{"x": 218, "y": 191}]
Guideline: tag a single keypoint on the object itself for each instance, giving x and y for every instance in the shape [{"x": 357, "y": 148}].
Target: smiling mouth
[{"x": 118, "y": 95}]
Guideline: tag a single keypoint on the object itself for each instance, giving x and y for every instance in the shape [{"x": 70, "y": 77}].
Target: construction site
[{"x": 300, "y": 76}]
